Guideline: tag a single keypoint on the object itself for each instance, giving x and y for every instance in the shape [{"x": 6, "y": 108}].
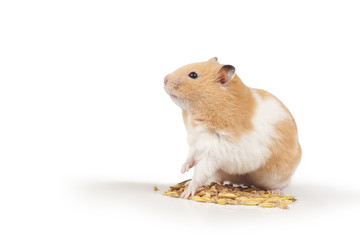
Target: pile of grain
[{"x": 235, "y": 195}]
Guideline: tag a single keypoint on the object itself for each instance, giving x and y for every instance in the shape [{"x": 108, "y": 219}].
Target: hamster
[{"x": 235, "y": 133}]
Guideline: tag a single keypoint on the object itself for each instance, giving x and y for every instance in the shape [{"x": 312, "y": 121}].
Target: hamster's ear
[
  {"x": 214, "y": 59},
  {"x": 226, "y": 74}
]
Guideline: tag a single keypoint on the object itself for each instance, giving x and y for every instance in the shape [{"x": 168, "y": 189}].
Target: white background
[{"x": 86, "y": 128}]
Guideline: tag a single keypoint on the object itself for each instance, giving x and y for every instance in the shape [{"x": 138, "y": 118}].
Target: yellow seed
[
  {"x": 267, "y": 204},
  {"x": 221, "y": 201},
  {"x": 286, "y": 201},
  {"x": 207, "y": 194},
  {"x": 259, "y": 199},
  {"x": 198, "y": 199},
  {"x": 289, "y": 198},
  {"x": 240, "y": 199},
  {"x": 227, "y": 195},
  {"x": 232, "y": 201},
  {"x": 176, "y": 186},
  {"x": 249, "y": 202},
  {"x": 171, "y": 194},
  {"x": 155, "y": 188},
  {"x": 273, "y": 199},
  {"x": 283, "y": 206},
  {"x": 202, "y": 193},
  {"x": 208, "y": 199}
]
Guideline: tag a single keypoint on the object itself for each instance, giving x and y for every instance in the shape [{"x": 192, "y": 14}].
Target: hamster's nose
[{"x": 166, "y": 79}]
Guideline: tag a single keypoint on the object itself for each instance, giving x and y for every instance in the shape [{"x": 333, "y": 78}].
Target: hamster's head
[{"x": 199, "y": 84}]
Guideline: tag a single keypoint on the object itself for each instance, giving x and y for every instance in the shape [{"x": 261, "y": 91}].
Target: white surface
[{"x": 86, "y": 128}]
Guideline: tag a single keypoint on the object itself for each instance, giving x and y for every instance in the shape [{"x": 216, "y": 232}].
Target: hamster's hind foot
[{"x": 276, "y": 191}]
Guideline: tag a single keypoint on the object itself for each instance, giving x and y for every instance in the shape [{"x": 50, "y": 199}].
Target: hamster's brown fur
[{"x": 216, "y": 109}]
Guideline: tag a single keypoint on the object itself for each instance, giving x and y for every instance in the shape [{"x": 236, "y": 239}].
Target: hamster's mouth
[{"x": 172, "y": 95}]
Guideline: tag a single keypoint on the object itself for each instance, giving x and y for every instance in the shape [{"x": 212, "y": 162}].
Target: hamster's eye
[{"x": 193, "y": 75}]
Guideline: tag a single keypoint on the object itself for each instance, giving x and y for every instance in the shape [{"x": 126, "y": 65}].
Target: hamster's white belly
[{"x": 232, "y": 157}]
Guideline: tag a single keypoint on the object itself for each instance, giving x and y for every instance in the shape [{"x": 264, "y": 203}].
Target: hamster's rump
[
  {"x": 284, "y": 152},
  {"x": 265, "y": 157}
]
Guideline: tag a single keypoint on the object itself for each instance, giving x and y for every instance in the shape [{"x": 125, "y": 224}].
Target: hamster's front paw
[
  {"x": 190, "y": 190},
  {"x": 187, "y": 165}
]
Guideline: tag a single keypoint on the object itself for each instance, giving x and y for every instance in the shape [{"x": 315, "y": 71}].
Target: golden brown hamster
[{"x": 235, "y": 133}]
